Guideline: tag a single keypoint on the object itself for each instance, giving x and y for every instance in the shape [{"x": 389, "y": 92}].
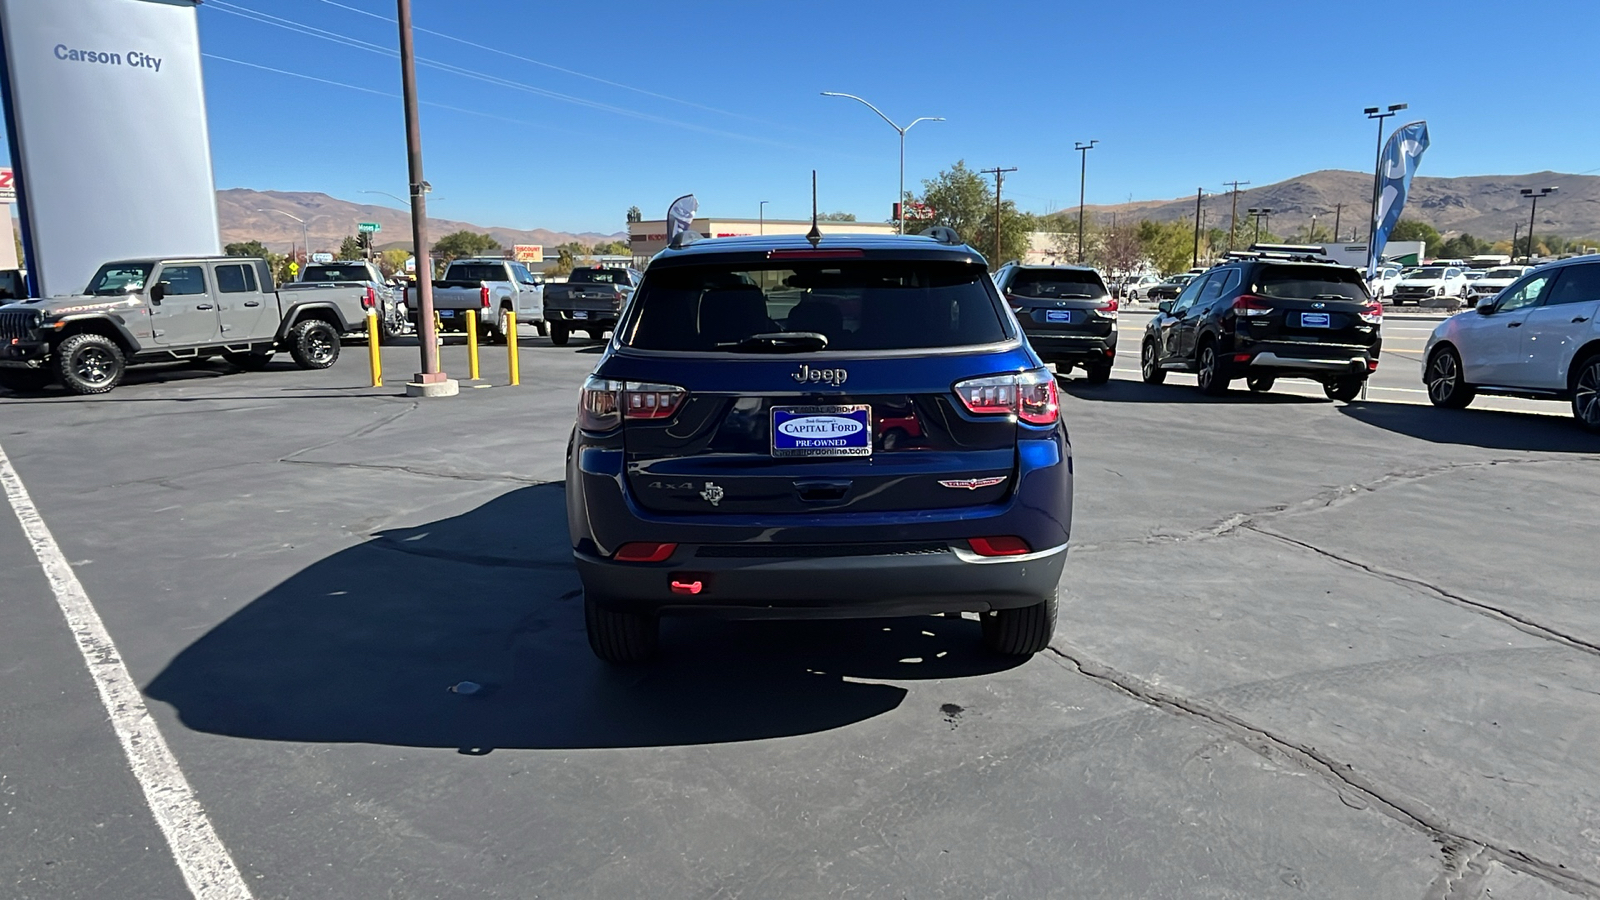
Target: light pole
[
  {"x": 1530, "y": 194},
  {"x": 431, "y": 381},
  {"x": 1312, "y": 234},
  {"x": 305, "y": 233},
  {"x": 900, "y": 198},
  {"x": 1083, "y": 173},
  {"x": 762, "y": 214},
  {"x": 1374, "y": 112}
]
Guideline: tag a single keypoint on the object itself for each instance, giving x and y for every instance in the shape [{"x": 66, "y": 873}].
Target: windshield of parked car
[
  {"x": 1057, "y": 283},
  {"x": 119, "y": 278},
  {"x": 315, "y": 274},
  {"x": 1511, "y": 274},
  {"x": 1311, "y": 283},
  {"x": 1428, "y": 273},
  {"x": 598, "y": 276},
  {"x": 866, "y": 305}
]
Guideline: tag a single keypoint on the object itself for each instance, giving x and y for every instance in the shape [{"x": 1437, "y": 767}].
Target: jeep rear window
[
  {"x": 858, "y": 306},
  {"x": 1055, "y": 283},
  {"x": 120, "y": 278},
  {"x": 1311, "y": 283}
]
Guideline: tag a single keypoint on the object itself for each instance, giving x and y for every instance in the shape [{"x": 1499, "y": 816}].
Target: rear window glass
[
  {"x": 1311, "y": 283},
  {"x": 474, "y": 273},
  {"x": 324, "y": 274},
  {"x": 598, "y": 276},
  {"x": 1057, "y": 283},
  {"x": 857, "y": 306}
]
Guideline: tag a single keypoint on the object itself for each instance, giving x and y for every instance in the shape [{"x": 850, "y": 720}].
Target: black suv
[
  {"x": 1067, "y": 314},
  {"x": 1261, "y": 317}
]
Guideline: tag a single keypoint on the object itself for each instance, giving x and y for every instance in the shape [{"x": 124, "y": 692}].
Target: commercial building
[{"x": 649, "y": 237}]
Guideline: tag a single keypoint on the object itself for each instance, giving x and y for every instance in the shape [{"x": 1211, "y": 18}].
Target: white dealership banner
[{"x": 105, "y": 111}]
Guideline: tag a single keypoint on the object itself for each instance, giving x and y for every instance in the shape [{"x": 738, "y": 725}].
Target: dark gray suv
[{"x": 1067, "y": 314}]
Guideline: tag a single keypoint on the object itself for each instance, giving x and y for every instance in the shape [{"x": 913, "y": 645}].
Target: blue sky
[{"x": 1180, "y": 95}]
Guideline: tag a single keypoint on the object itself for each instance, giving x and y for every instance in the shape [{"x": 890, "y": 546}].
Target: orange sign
[{"x": 528, "y": 253}]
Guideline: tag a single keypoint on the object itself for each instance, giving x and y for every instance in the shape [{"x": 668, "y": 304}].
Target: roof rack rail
[
  {"x": 944, "y": 234},
  {"x": 1278, "y": 255}
]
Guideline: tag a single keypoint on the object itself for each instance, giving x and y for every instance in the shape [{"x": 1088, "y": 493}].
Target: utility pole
[
  {"x": 1233, "y": 219},
  {"x": 431, "y": 381},
  {"x": 1516, "y": 234},
  {"x": 1337, "y": 209},
  {"x": 1083, "y": 173},
  {"x": 1198, "y": 195},
  {"x": 999, "y": 180}
]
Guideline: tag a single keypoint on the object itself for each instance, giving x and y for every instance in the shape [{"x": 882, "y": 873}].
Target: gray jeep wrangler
[{"x": 161, "y": 310}]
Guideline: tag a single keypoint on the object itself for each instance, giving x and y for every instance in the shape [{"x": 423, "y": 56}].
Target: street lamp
[
  {"x": 1083, "y": 173},
  {"x": 900, "y": 198},
  {"x": 305, "y": 233},
  {"x": 1374, "y": 112},
  {"x": 1531, "y": 195},
  {"x": 762, "y": 213}
]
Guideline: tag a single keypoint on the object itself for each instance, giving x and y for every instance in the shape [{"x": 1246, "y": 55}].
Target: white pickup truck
[{"x": 490, "y": 286}]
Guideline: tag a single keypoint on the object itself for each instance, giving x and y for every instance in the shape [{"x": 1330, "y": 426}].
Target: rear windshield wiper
[{"x": 779, "y": 342}]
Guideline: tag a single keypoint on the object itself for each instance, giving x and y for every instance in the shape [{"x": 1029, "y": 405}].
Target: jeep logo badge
[{"x": 808, "y": 375}]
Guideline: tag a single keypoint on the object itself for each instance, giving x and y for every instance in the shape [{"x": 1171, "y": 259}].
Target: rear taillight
[
  {"x": 1251, "y": 305},
  {"x": 1109, "y": 308},
  {"x": 616, "y": 299},
  {"x": 645, "y": 552},
  {"x": 1005, "y": 545},
  {"x": 370, "y": 301},
  {"x": 483, "y": 296},
  {"x": 1030, "y": 396},
  {"x": 1372, "y": 313},
  {"x": 605, "y": 403}
]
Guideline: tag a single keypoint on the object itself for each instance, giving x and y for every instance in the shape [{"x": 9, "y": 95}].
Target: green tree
[
  {"x": 351, "y": 248},
  {"x": 1413, "y": 230},
  {"x": 565, "y": 262},
  {"x": 837, "y": 217},
  {"x": 464, "y": 244},
  {"x": 634, "y": 215},
  {"x": 1169, "y": 246},
  {"x": 613, "y": 248},
  {"x": 576, "y": 248},
  {"x": 253, "y": 249},
  {"x": 961, "y": 199},
  {"x": 1463, "y": 246},
  {"x": 393, "y": 261}
]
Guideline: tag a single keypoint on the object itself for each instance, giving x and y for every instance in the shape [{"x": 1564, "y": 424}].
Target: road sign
[
  {"x": 8, "y": 187},
  {"x": 370, "y": 227}
]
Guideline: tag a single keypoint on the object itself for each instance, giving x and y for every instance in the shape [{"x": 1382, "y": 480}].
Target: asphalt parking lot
[{"x": 1306, "y": 649}]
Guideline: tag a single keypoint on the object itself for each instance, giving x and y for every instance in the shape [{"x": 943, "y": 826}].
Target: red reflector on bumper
[
  {"x": 1007, "y": 545},
  {"x": 1372, "y": 365},
  {"x": 645, "y": 552},
  {"x": 1241, "y": 357},
  {"x": 687, "y": 587}
]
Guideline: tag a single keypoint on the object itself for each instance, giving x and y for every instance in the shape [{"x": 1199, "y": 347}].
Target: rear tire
[
  {"x": 1260, "y": 384},
  {"x": 543, "y": 328},
  {"x": 1097, "y": 374},
  {"x": 89, "y": 364},
  {"x": 1343, "y": 389},
  {"x": 1020, "y": 632},
  {"x": 621, "y": 638},
  {"x": 314, "y": 344},
  {"x": 1212, "y": 381},
  {"x": 1586, "y": 394},
  {"x": 1444, "y": 377},
  {"x": 558, "y": 334},
  {"x": 1149, "y": 368}
]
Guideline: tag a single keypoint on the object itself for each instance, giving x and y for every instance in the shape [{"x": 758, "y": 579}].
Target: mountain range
[
  {"x": 1485, "y": 206},
  {"x": 330, "y": 220}
]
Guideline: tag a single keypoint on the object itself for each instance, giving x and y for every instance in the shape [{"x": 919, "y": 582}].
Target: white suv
[{"x": 1538, "y": 338}]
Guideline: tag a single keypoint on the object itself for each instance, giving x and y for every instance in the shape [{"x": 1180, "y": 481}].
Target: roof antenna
[{"x": 815, "y": 234}]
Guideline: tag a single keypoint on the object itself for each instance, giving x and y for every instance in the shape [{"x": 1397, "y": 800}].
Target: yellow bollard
[
  {"x": 374, "y": 348},
  {"x": 510, "y": 321},
  {"x": 472, "y": 344},
  {"x": 438, "y": 328}
]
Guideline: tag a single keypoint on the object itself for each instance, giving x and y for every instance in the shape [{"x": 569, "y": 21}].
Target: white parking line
[{"x": 207, "y": 868}]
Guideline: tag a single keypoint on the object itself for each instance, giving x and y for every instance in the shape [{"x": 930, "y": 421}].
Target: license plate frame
[
  {"x": 1058, "y": 316},
  {"x": 447, "y": 314},
  {"x": 1316, "y": 320},
  {"x": 856, "y": 443},
  {"x": 580, "y": 314}
]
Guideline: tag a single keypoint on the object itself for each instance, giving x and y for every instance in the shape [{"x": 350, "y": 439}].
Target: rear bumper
[
  {"x": 1331, "y": 364},
  {"x": 863, "y": 586},
  {"x": 1057, "y": 347},
  {"x": 590, "y": 319}
]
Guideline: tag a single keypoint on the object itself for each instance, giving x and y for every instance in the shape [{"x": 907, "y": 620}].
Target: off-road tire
[
  {"x": 1444, "y": 379},
  {"x": 25, "y": 381},
  {"x": 1586, "y": 393},
  {"x": 1020, "y": 632},
  {"x": 250, "y": 362},
  {"x": 89, "y": 364},
  {"x": 1097, "y": 374},
  {"x": 1212, "y": 380},
  {"x": 558, "y": 334},
  {"x": 1344, "y": 388},
  {"x": 1149, "y": 369},
  {"x": 1260, "y": 384},
  {"x": 314, "y": 344},
  {"x": 621, "y": 638}
]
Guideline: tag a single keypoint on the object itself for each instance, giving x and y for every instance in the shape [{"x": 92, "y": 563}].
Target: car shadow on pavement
[
  {"x": 365, "y": 646},
  {"x": 1488, "y": 428},
  {"x": 1120, "y": 391}
]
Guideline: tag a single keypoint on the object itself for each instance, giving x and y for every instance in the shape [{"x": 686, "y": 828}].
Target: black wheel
[
  {"x": 25, "y": 381},
  {"x": 1345, "y": 388},
  {"x": 558, "y": 333},
  {"x": 89, "y": 364},
  {"x": 1586, "y": 394},
  {"x": 1020, "y": 632},
  {"x": 1099, "y": 373},
  {"x": 250, "y": 362},
  {"x": 1260, "y": 383},
  {"x": 543, "y": 328},
  {"x": 622, "y": 638},
  {"x": 1446, "y": 387},
  {"x": 1213, "y": 383},
  {"x": 389, "y": 328},
  {"x": 314, "y": 344},
  {"x": 1149, "y": 369}
]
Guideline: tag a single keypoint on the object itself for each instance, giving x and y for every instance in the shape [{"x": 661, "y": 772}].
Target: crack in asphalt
[
  {"x": 425, "y": 473},
  {"x": 1454, "y": 844},
  {"x": 363, "y": 431},
  {"x": 1499, "y": 614}
]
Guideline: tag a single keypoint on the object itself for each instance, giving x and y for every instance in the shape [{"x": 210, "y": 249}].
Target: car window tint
[
  {"x": 1578, "y": 284},
  {"x": 235, "y": 279},
  {"x": 1191, "y": 293},
  {"x": 858, "y": 306},
  {"x": 1218, "y": 284},
  {"x": 1311, "y": 282},
  {"x": 1052, "y": 283},
  {"x": 184, "y": 280},
  {"x": 1526, "y": 293}
]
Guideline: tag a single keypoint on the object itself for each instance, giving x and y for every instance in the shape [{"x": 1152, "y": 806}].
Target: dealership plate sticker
[
  {"x": 1313, "y": 320},
  {"x": 580, "y": 314},
  {"x": 822, "y": 430},
  {"x": 447, "y": 314},
  {"x": 1063, "y": 316}
]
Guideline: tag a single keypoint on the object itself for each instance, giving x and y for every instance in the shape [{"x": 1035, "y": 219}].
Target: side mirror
[
  {"x": 1484, "y": 307},
  {"x": 1165, "y": 306},
  {"x": 158, "y": 292}
]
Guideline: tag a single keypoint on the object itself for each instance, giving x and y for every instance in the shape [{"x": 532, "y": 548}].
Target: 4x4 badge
[
  {"x": 972, "y": 484},
  {"x": 712, "y": 494}
]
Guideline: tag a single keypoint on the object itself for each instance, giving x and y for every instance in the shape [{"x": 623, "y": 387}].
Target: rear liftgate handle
[{"x": 821, "y": 491}]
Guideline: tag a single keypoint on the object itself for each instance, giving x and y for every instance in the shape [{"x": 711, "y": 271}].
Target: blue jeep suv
[{"x": 851, "y": 428}]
